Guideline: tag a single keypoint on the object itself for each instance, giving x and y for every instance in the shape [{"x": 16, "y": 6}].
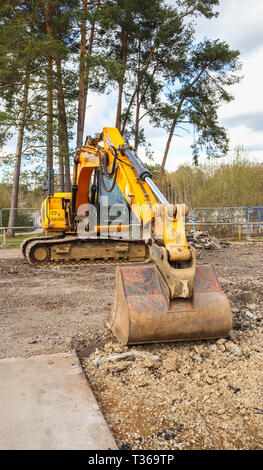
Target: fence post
[
  {"x": 4, "y": 237},
  {"x": 1, "y": 225},
  {"x": 239, "y": 231}
]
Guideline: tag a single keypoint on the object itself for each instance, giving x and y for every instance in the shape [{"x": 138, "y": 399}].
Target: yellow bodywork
[
  {"x": 169, "y": 297},
  {"x": 54, "y": 215},
  {"x": 168, "y": 228}
]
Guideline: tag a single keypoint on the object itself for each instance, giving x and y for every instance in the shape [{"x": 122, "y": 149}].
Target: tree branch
[{"x": 138, "y": 84}]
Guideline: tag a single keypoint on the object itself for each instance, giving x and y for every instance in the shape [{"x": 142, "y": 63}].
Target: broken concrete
[
  {"x": 203, "y": 241},
  {"x": 127, "y": 355}
]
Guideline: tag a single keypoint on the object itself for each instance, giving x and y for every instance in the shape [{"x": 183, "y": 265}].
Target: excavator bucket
[{"x": 143, "y": 312}]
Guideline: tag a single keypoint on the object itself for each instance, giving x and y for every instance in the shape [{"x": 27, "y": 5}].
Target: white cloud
[
  {"x": 239, "y": 23},
  {"x": 248, "y": 93},
  {"x": 244, "y": 116},
  {"x": 101, "y": 112}
]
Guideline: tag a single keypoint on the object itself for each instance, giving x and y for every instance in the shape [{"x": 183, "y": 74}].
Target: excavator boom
[{"x": 116, "y": 214}]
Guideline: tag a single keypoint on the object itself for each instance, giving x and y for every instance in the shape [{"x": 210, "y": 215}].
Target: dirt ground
[{"x": 188, "y": 395}]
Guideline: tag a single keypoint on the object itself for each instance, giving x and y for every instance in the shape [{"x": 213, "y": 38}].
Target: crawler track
[
  {"x": 73, "y": 250},
  {"x": 26, "y": 242}
]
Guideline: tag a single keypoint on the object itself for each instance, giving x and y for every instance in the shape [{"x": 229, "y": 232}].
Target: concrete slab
[
  {"x": 46, "y": 403},
  {"x": 10, "y": 253}
]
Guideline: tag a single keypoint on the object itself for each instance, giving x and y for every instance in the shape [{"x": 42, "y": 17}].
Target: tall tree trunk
[
  {"x": 177, "y": 114},
  {"x": 147, "y": 63},
  {"x": 83, "y": 72},
  {"x": 137, "y": 115},
  {"x": 137, "y": 122},
  {"x": 64, "y": 167},
  {"x": 49, "y": 122},
  {"x": 82, "y": 95},
  {"x": 124, "y": 44},
  {"x": 47, "y": 6},
  {"x": 67, "y": 177},
  {"x": 167, "y": 148},
  {"x": 119, "y": 107},
  {"x": 19, "y": 147},
  {"x": 61, "y": 136}
]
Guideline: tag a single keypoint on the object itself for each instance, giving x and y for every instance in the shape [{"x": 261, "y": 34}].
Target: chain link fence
[
  {"x": 234, "y": 223},
  {"x": 228, "y": 222},
  {"x": 28, "y": 224}
]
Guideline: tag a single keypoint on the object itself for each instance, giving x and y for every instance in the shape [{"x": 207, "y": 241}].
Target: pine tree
[
  {"x": 34, "y": 38},
  {"x": 16, "y": 67},
  {"x": 89, "y": 13},
  {"x": 198, "y": 92}
]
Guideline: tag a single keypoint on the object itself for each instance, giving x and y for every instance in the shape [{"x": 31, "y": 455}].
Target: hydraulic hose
[{"x": 109, "y": 175}]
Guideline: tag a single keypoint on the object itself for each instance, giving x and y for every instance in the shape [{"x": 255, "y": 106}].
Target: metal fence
[
  {"x": 223, "y": 222},
  {"x": 28, "y": 224},
  {"x": 228, "y": 222}
]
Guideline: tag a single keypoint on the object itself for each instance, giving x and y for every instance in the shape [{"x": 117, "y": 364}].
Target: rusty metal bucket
[{"x": 143, "y": 312}]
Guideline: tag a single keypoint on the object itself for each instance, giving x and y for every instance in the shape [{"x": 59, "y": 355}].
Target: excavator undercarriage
[
  {"x": 115, "y": 214},
  {"x": 72, "y": 250}
]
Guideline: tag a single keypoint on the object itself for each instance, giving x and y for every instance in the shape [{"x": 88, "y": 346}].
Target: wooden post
[
  {"x": 4, "y": 237},
  {"x": 239, "y": 231}
]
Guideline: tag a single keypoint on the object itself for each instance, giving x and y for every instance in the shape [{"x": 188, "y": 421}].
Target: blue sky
[{"x": 240, "y": 24}]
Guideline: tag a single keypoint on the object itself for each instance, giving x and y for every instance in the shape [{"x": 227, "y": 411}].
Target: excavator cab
[
  {"x": 113, "y": 211},
  {"x": 116, "y": 214}
]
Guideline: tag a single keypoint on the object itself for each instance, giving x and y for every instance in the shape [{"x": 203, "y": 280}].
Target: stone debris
[
  {"x": 128, "y": 356},
  {"x": 233, "y": 348},
  {"x": 202, "y": 395},
  {"x": 117, "y": 367},
  {"x": 170, "y": 364},
  {"x": 249, "y": 314},
  {"x": 203, "y": 241},
  {"x": 187, "y": 395}
]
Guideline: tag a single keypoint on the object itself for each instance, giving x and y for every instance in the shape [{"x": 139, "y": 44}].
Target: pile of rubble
[
  {"x": 186, "y": 395},
  {"x": 203, "y": 241}
]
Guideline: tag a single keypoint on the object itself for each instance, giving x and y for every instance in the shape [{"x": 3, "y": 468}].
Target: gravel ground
[{"x": 188, "y": 395}]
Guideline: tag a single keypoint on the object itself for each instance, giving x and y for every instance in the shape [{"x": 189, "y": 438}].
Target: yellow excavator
[{"x": 116, "y": 214}]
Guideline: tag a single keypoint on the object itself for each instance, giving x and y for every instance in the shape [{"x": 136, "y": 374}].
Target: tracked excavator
[{"x": 116, "y": 214}]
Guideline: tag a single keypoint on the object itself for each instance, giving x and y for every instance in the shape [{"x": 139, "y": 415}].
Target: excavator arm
[
  {"x": 163, "y": 223},
  {"x": 160, "y": 292}
]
